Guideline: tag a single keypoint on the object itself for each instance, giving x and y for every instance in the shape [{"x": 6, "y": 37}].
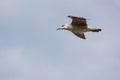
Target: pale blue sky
[{"x": 32, "y": 49}]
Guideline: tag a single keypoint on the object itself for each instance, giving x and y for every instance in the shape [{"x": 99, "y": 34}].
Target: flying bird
[{"x": 78, "y": 26}]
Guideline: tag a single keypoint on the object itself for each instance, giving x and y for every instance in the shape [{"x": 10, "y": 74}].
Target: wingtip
[
  {"x": 84, "y": 38},
  {"x": 100, "y": 29},
  {"x": 69, "y": 16}
]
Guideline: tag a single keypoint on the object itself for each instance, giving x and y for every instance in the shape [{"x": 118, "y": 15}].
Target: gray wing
[
  {"x": 81, "y": 35},
  {"x": 78, "y": 21}
]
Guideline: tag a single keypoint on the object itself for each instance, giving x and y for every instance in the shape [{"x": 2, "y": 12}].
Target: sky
[{"x": 32, "y": 49}]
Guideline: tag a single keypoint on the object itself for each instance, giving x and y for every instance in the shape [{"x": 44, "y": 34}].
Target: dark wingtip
[
  {"x": 69, "y": 16},
  {"x": 77, "y": 17},
  {"x": 100, "y": 29},
  {"x": 84, "y": 38}
]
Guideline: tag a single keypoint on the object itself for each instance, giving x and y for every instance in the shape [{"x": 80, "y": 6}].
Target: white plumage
[{"x": 78, "y": 26}]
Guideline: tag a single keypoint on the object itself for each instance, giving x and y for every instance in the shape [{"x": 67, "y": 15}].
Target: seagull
[{"x": 78, "y": 26}]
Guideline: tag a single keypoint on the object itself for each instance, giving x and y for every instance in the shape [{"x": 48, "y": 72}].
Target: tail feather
[{"x": 96, "y": 30}]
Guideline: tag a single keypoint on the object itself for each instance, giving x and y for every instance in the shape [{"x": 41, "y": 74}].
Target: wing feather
[
  {"x": 78, "y": 21},
  {"x": 81, "y": 35}
]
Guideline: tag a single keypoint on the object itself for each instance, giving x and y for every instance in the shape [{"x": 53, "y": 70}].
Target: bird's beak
[{"x": 60, "y": 28}]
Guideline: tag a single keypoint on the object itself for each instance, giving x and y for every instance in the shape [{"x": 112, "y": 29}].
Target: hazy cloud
[{"x": 32, "y": 49}]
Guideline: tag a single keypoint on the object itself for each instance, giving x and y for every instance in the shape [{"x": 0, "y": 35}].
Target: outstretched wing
[
  {"x": 78, "y": 21},
  {"x": 81, "y": 35}
]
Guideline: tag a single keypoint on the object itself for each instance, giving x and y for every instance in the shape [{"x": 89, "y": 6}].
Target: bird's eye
[{"x": 62, "y": 25}]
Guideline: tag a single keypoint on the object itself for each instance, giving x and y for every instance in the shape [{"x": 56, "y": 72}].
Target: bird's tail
[{"x": 95, "y": 30}]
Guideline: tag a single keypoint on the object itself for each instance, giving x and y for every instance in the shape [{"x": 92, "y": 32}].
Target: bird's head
[{"x": 64, "y": 27}]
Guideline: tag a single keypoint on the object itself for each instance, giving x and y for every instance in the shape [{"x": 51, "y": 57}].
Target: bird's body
[{"x": 78, "y": 26}]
